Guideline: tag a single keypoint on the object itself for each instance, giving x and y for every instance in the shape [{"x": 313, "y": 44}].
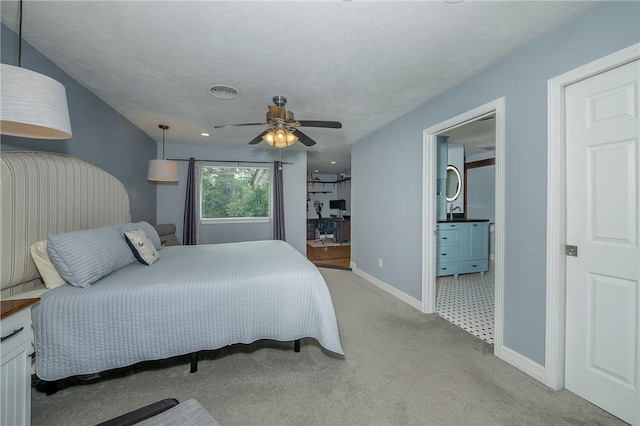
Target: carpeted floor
[{"x": 401, "y": 367}]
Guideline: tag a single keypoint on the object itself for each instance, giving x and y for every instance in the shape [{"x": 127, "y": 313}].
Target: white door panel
[{"x": 602, "y": 359}]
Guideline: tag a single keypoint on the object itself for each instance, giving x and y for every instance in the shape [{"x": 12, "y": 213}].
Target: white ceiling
[
  {"x": 364, "y": 63},
  {"x": 477, "y": 136}
]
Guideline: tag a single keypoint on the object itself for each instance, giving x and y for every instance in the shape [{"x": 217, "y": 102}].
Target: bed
[{"x": 193, "y": 298}]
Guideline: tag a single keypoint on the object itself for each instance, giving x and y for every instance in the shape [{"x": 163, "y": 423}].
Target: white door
[{"x": 602, "y": 359}]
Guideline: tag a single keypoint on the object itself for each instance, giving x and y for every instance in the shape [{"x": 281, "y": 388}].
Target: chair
[
  {"x": 326, "y": 227},
  {"x": 167, "y": 234},
  {"x": 167, "y": 412}
]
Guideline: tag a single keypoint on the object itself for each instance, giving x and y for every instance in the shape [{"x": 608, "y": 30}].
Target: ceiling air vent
[{"x": 223, "y": 91}]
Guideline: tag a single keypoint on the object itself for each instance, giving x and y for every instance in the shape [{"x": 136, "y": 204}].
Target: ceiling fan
[{"x": 283, "y": 128}]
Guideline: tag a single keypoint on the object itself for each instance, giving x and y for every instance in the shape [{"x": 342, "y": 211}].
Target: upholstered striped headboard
[{"x": 46, "y": 193}]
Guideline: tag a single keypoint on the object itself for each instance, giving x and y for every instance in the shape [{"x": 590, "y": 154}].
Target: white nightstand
[{"x": 15, "y": 368}]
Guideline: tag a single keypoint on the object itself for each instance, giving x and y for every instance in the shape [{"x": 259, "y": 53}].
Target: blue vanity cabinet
[{"x": 462, "y": 247}]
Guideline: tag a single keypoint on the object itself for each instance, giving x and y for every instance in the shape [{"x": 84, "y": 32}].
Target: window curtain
[
  {"x": 278, "y": 202},
  {"x": 191, "y": 223}
]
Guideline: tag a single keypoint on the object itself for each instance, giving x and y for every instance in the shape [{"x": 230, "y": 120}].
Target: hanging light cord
[
  {"x": 163, "y": 127},
  {"x": 20, "y": 38}
]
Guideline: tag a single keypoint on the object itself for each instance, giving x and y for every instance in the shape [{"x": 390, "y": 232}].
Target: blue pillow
[
  {"x": 148, "y": 229},
  {"x": 83, "y": 257}
]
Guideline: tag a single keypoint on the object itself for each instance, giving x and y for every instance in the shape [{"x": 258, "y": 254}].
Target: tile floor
[{"x": 468, "y": 302}]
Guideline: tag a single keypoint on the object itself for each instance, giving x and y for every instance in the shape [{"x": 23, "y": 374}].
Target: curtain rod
[{"x": 228, "y": 161}]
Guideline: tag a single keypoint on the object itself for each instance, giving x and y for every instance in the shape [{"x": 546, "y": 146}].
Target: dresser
[
  {"x": 462, "y": 247},
  {"x": 15, "y": 370}
]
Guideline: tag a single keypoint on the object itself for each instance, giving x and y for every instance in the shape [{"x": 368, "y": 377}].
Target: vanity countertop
[{"x": 462, "y": 219}]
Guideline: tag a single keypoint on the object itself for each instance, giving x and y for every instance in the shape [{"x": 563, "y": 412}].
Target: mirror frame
[{"x": 459, "y": 186}]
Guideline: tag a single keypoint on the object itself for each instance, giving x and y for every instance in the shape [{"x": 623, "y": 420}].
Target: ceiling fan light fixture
[
  {"x": 280, "y": 138},
  {"x": 269, "y": 137},
  {"x": 291, "y": 138}
]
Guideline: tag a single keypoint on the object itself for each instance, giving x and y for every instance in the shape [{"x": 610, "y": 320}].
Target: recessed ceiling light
[
  {"x": 223, "y": 91},
  {"x": 316, "y": 171},
  {"x": 333, "y": 162},
  {"x": 205, "y": 134}
]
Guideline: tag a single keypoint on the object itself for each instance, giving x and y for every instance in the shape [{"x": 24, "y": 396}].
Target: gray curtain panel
[
  {"x": 190, "y": 223},
  {"x": 278, "y": 202}
]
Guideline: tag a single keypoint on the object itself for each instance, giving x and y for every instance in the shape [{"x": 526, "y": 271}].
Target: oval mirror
[{"x": 454, "y": 181}]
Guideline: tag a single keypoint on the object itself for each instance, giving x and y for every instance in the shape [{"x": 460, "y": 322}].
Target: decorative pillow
[
  {"x": 149, "y": 231},
  {"x": 142, "y": 248},
  {"x": 48, "y": 272},
  {"x": 83, "y": 257}
]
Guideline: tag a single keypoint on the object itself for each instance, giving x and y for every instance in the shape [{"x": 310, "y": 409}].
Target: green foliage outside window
[{"x": 235, "y": 192}]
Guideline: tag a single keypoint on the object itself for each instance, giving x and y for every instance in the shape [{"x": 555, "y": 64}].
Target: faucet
[{"x": 452, "y": 209}]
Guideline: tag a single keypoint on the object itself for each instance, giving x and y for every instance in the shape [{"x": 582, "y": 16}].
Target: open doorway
[
  {"x": 329, "y": 220},
  {"x": 465, "y": 291},
  {"x": 431, "y": 212}
]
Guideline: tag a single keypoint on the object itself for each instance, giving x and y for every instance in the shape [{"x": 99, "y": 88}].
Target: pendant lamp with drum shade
[
  {"x": 33, "y": 105},
  {"x": 163, "y": 170}
]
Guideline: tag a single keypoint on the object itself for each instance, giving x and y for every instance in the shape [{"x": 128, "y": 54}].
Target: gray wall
[
  {"x": 481, "y": 199},
  {"x": 387, "y": 211},
  {"x": 101, "y": 135},
  {"x": 171, "y": 196}
]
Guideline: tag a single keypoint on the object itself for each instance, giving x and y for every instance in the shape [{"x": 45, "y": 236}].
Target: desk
[{"x": 343, "y": 230}]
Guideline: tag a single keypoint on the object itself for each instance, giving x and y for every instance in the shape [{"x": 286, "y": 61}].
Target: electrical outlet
[{"x": 380, "y": 263}]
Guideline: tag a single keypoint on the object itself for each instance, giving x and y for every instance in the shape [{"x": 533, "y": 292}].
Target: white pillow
[
  {"x": 48, "y": 272},
  {"x": 143, "y": 249},
  {"x": 149, "y": 231}
]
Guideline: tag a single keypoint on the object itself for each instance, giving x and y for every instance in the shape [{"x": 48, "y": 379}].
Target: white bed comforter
[{"x": 193, "y": 298}]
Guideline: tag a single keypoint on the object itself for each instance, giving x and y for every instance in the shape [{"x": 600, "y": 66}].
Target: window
[{"x": 232, "y": 194}]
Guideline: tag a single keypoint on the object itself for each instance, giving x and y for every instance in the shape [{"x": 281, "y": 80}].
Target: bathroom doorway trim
[{"x": 429, "y": 165}]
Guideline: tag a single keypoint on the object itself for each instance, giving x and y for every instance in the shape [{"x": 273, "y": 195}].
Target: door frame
[
  {"x": 429, "y": 168},
  {"x": 556, "y": 207}
]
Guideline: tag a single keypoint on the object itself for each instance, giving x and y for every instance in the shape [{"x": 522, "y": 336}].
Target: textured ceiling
[
  {"x": 477, "y": 136},
  {"x": 363, "y": 63}
]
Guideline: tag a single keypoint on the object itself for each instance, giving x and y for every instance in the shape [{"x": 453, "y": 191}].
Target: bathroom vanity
[{"x": 462, "y": 246}]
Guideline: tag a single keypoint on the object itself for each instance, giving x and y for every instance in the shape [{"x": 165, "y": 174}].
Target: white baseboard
[
  {"x": 411, "y": 301},
  {"x": 522, "y": 363}
]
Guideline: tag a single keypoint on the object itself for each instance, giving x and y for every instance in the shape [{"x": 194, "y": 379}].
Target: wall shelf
[
  {"x": 323, "y": 183},
  {"x": 329, "y": 181}
]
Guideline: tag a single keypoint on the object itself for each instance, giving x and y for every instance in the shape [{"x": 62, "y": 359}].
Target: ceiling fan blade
[
  {"x": 317, "y": 123},
  {"x": 238, "y": 125},
  {"x": 304, "y": 139},
  {"x": 258, "y": 138}
]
